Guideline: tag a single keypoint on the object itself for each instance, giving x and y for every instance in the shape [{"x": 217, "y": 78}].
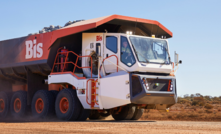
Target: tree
[
  {"x": 192, "y": 96},
  {"x": 187, "y": 96}
]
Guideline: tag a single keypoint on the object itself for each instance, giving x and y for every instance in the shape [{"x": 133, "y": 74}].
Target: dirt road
[{"x": 110, "y": 126}]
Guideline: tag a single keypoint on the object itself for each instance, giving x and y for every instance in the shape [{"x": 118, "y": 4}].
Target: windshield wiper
[
  {"x": 168, "y": 55},
  {"x": 141, "y": 55}
]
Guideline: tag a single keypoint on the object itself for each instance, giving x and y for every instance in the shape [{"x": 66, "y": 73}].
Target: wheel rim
[
  {"x": 17, "y": 105},
  {"x": 64, "y": 105},
  {"x": 39, "y": 105},
  {"x": 2, "y": 105}
]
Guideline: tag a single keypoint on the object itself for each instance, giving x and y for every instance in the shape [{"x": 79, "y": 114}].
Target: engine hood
[{"x": 152, "y": 68}]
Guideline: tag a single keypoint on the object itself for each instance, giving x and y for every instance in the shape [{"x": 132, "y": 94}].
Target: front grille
[{"x": 157, "y": 84}]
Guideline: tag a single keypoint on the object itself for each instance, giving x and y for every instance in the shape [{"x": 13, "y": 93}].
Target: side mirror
[{"x": 176, "y": 59}]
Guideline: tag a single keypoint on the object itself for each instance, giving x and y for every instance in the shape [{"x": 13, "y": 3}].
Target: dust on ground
[{"x": 111, "y": 126}]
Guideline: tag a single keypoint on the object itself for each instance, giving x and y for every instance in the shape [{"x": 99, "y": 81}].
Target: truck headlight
[
  {"x": 157, "y": 84},
  {"x": 171, "y": 85}
]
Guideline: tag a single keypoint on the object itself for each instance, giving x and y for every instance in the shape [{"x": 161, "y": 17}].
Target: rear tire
[
  {"x": 126, "y": 113},
  {"x": 67, "y": 105},
  {"x": 42, "y": 104},
  {"x": 138, "y": 113},
  {"x": 84, "y": 114},
  {"x": 4, "y": 104},
  {"x": 18, "y": 104}
]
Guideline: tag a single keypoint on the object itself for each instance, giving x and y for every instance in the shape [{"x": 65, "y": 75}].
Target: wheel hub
[
  {"x": 2, "y": 105},
  {"x": 17, "y": 105},
  {"x": 39, "y": 105},
  {"x": 64, "y": 105}
]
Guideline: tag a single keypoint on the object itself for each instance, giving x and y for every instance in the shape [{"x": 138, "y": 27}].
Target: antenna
[{"x": 135, "y": 27}]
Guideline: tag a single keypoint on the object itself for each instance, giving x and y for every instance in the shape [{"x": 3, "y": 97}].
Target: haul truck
[{"x": 113, "y": 65}]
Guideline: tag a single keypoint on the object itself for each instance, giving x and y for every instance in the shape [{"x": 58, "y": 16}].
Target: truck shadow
[
  {"x": 28, "y": 120},
  {"x": 121, "y": 121}
]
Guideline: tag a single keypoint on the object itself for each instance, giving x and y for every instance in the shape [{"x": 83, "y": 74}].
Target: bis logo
[{"x": 33, "y": 50}]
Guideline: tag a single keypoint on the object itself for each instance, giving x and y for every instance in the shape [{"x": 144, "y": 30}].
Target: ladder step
[
  {"x": 94, "y": 107},
  {"x": 94, "y": 94}
]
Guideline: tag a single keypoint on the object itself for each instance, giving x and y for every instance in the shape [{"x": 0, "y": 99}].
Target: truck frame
[{"x": 113, "y": 65}]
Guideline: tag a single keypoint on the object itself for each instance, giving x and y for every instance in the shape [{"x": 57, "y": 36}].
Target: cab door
[{"x": 111, "y": 52}]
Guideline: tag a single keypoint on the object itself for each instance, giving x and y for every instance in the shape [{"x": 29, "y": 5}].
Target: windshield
[{"x": 150, "y": 49}]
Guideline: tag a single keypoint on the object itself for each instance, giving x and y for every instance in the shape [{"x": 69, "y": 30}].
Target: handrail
[
  {"x": 117, "y": 65},
  {"x": 75, "y": 64},
  {"x": 112, "y": 63},
  {"x": 87, "y": 92},
  {"x": 109, "y": 57},
  {"x": 108, "y": 60}
]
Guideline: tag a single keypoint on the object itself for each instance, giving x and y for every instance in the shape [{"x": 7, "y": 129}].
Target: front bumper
[{"x": 158, "y": 91}]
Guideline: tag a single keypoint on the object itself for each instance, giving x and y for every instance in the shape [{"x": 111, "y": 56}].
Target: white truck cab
[
  {"x": 145, "y": 59},
  {"x": 133, "y": 53}
]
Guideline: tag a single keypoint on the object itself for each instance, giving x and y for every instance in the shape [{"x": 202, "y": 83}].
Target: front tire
[
  {"x": 126, "y": 113},
  {"x": 138, "y": 113},
  {"x": 84, "y": 114},
  {"x": 67, "y": 105}
]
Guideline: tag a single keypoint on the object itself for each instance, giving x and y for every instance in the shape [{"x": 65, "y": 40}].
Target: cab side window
[
  {"x": 127, "y": 56},
  {"x": 111, "y": 43}
]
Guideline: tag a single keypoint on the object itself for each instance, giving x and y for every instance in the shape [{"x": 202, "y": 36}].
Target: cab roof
[{"x": 116, "y": 24}]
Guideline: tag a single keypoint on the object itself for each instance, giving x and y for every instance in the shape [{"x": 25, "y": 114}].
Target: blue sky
[{"x": 196, "y": 26}]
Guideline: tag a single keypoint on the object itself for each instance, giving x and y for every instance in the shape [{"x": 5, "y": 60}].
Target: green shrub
[
  {"x": 183, "y": 101},
  {"x": 198, "y": 101}
]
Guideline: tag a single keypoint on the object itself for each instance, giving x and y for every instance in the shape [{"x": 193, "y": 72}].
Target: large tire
[
  {"x": 42, "y": 105},
  {"x": 18, "y": 104},
  {"x": 67, "y": 105},
  {"x": 138, "y": 113},
  {"x": 84, "y": 114},
  {"x": 4, "y": 104},
  {"x": 126, "y": 113}
]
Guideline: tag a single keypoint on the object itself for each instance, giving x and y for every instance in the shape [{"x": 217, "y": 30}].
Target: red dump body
[{"x": 13, "y": 51}]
